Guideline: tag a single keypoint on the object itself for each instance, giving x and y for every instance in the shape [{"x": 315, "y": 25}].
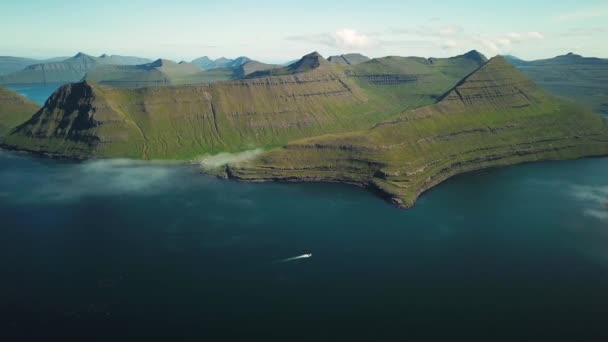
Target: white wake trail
[{"x": 304, "y": 256}]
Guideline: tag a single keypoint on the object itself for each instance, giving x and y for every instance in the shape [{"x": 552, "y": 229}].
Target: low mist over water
[{"x": 157, "y": 250}]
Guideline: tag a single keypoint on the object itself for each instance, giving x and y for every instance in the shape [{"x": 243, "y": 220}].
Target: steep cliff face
[
  {"x": 14, "y": 109},
  {"x": 78, "y": 121},
  {"x": 493, "y": 117},
  {"x": 312, "y": 98}
]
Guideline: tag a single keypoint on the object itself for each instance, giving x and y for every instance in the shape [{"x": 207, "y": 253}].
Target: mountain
[
  {"x": 396, "y": 125},
  {"x": 313, "y": 97},
  {"x": 251, "y": 66},
  {"x": 239, "y": 62},
  {"x": 164, "y": 72},
  {"x": 493, "y": 117},
  {"x": 289, "y": 62},
  {"x": 349, "y": 59},
  {"x": 306, "y": 63},
  {"x": 203, "y": 62},
  {"x": 10, "y": 64},
  {"x": 208, "y": 64},
  {"x": 70, "y": 70},
  {"x": 515, "y": 61},
  {"x": 158, "y": 73},
  {"x": 473, "y": 55},
  {"x": 577, "y": 78},
  {"x": 122, "y": 60},
  {"x": 14, "y": 110}
]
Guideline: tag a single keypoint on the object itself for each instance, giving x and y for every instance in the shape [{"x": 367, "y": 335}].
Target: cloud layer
[
  {"x": 343, "y": 38},
  {"x": 432, "y": 36}
]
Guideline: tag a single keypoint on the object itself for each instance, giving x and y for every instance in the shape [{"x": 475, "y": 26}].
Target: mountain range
[
  {"x": 396, "y": 125},
  {"x": 164, "y": 72},
  {"x": 10, "y": 64},
  {"x": 208, "y": 63},
  {"x": 308, "y": 98},
  {"x": 68, "y": 70},
  {"x": 493, "y": 117},
  {"x": 580, "y": 79}
]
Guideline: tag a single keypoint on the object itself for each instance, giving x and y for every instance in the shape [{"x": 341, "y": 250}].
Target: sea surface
[
  {"x": 125, "y": 250},
  {"x": 36, "y": 92}
]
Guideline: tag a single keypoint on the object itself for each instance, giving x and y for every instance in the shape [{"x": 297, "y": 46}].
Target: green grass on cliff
[
  {"x": 184, "y": 122},
  {"x": 493, "y": 118}
]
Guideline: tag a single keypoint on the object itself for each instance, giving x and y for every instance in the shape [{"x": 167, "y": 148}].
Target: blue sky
[{"x": 277, "y": 31}]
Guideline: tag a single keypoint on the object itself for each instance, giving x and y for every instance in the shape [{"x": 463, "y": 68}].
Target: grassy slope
[
  {"x": 14, "y": 109},
  {"x": 580, "y": 79},
  {"x": 84, "y": 120},
  {"x": 492, "y": 118}
]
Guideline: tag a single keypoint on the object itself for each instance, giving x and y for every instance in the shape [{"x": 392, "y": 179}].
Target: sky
[{"x": 279, "y": 31}]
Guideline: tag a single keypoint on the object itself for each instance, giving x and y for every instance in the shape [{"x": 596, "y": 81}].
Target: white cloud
[
  {"x": 453, "y": 38},
  {"x": 450, "y": 44},
  {"x": 502, "y": 43},
  {"x": 350, "y": 39},
  {"x": 517, "y": 36},
  {"x": 343, "y": 39},
  {"x": 427, "y": 38}
]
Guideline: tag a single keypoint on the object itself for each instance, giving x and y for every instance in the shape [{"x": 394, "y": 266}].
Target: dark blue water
[{"x": 116, "y": 250}]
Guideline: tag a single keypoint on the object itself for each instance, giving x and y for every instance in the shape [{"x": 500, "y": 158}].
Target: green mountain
[
  {"x": 165, "y": 72},
  {"x": 309, "y": 62},
  {"x": 158, "y": 73},
  {"x": 10, "y": 64},
  {"x": 309, "y": 98},
  {"x": 396, "y": 125},
  {"x": 580, "y": 79},
  {"x": 69, "y": 70},
  {"x": 493, "y": 117},
  {"x": 348, "y": 59},
  {"x": 252, "y": 66},
  {"x": 14, "y": 110}
]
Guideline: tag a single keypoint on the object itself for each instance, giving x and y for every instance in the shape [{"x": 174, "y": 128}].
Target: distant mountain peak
[
  {"x": 81, "y": 55},
  {"x": 104, "y": 56},
  {"x": 570, "y": 55},
  {"x": 203, "y": 59},
  {"x": 475, "y": 55},
  {"x": 308, "y": 62},
  {"x": 160, "y": 62},
  {"x": 314, "y": 54},
  {"x": 348, "y": 59}
]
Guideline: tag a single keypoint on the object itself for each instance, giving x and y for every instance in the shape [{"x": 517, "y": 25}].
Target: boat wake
[{"x": 305, "y": 256}]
